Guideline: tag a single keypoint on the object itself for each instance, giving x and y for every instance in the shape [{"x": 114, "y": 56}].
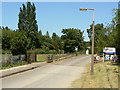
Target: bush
[
  {"x": 6, "y": 51},
  {"x": 42, "y": 51}
]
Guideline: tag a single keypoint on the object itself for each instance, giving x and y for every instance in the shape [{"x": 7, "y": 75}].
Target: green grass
[
  {"x": 41, "y": 57},
  {"x": 105, "y": 76},
  {"x": 7, "y": 66}
]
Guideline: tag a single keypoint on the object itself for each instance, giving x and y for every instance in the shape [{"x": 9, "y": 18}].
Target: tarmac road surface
[{"x": 54, "y": 75}]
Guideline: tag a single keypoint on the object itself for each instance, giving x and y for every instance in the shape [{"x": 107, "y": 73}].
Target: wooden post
[
  {"x": 35, "y": 57},
  {"x": 28, "y": 58}
]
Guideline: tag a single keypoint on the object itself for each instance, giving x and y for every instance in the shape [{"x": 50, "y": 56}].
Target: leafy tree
[
  {"x": 40, "y": 32},
  {"x": 6, "y": 28},
  {"x": 28, "y": 23},
  {"x": 116, "y": 29},
  {"x": 69, "y": 45},
  {"x": 55, "y": 39},
  {"x": 55, "y": 43},
  {"x": 20, "y": 43},
  {"x": 7, "y": 36},
  {"x": 47, "y": 38},
  {"x": 46, "y": 41},
  {"x": 48, "y": 45},
  {"x": 100, "y": 36},
  {"x": 47, "y": 34},
  {"x": 40, "y": 38},
  {"x": 72, "y": 38}
]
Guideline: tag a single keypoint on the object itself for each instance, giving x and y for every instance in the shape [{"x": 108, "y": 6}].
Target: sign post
[{"x": 103, "y": 57}]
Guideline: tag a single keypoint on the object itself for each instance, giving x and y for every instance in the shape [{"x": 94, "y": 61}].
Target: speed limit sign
[{"x": 97, "y": 57}]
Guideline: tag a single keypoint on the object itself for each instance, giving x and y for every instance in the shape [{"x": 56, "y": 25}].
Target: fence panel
[{"x": 8, "y": 59}]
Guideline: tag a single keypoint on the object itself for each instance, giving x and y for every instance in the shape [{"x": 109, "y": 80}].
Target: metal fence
[{"x": 8, "y": 59}]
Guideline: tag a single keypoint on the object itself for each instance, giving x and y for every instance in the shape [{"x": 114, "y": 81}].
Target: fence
[{"x": 10, "y": 60}]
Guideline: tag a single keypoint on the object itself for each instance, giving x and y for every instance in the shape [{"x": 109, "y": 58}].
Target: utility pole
[{"x": 92, "y": 56}]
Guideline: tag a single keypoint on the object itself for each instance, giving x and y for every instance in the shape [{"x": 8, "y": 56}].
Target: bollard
[
  {"x": 49, "y": 59},
  {"x": 30, "y": 59}
]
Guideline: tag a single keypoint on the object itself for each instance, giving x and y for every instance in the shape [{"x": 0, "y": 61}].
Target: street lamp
[{"x": 92, "y": 57}]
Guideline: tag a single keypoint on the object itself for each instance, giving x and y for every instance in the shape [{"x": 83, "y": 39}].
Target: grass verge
[
  {"x": 7, "y": 66},
  {"x": 105, "y": 76},
  {"x": 41, "y": 57}
]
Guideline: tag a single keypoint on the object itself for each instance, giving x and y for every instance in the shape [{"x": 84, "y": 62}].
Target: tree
[
  {"x": 7, "y": 36},
  {"x": 46, "y": 41},
  {"x": 72, "y": 38},
  {"x": 116, "y": 24},
  {"x": 100, "y": 37},
  {"x": 56, "y": 42},
  {"x": 47, "y": 38},
  {"x": 40, "y": 38},
  {"x": 40, "y": 32},
  {"x": 69, "y": 45},
  {"x": 47, "y": 34},
  {"x": 27, "y": 22},
  {"x": 118, "y": 30},
  {"x": 6, "y": 28},
  {"x": 20, "y": 43}
]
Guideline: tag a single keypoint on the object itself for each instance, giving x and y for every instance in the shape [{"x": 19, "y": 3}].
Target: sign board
[
  {"x": 107, "y": 57},
  {"x": 109, "y": 50},
  {"x": 111, "y": 57},
  {"x": 97, "y": 57}
]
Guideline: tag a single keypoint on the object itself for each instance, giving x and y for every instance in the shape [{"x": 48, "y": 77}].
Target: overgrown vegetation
[{"x": 105, "y": 76}]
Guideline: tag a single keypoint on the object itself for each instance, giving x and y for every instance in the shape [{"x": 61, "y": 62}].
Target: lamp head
[{"x": 83, "y": 9}]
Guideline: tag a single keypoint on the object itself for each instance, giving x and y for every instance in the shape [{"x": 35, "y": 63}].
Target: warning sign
[{"x": 97, "y": 57}]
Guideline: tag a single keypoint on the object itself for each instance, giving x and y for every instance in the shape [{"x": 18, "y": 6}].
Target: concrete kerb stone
[{"x": 19, "y": 69}]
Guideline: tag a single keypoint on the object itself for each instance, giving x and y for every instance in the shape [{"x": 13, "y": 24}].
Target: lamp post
[{"x": 92, "y": 57}]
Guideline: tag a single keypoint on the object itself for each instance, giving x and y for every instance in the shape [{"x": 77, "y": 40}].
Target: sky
[{"x": 55, "y": 16}]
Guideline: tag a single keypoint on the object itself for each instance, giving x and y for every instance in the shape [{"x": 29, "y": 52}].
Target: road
[{"x": 54, "y": 75}]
